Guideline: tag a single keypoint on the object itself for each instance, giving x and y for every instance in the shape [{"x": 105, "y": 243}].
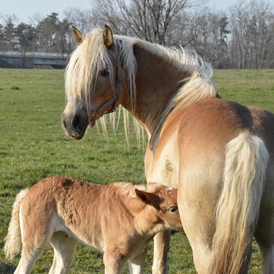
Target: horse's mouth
[
  {"x": 75, "y": 134},
  {"x": 75, "y": 137}
]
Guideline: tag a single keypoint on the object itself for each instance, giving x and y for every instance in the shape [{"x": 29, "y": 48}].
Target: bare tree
[
  {"x": 242, "y": 38},
  {"x": 85, "y": 20},
  {"x": 147, "y": 19},
  {"x": 252, "y": 33},
  {"x": 26, "y": 35},
  {"x": 8, "y": 29}
]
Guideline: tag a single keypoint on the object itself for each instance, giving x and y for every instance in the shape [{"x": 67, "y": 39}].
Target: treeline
[{"x": 241, "y": 37}]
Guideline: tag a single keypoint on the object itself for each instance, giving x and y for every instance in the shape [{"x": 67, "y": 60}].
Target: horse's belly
[
  {"x": 162, "y": 166},
  {"x": 166, "y": 172}
]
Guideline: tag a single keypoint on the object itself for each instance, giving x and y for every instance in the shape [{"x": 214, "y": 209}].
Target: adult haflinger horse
[{"x": 219, "y": 154}]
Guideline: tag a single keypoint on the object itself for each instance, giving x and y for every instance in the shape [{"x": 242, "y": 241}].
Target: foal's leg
[
  {"x": 33, "y": 245},
  {"x": 161, "y": 248},
  {"x": 137, "y": 264},
  {"x": 28, "y": 258},
  {"x": 64, "y": 252},
  {"x": 113, "y": 261},
  {"x": 35, "y": 238}
]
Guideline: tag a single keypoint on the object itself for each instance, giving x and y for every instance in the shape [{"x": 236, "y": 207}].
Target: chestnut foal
[{"x": 117, "y": 219}]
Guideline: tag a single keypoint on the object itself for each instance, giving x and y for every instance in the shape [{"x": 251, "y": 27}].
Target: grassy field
[{"x": 33, "y": 146}]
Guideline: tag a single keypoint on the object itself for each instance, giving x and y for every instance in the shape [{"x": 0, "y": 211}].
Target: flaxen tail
[
  {"x": 13, "y": 239},
  {"x": 238, "y": 207}
]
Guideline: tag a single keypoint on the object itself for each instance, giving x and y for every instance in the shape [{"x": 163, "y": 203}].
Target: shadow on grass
[{"x": 7, "y": 268}]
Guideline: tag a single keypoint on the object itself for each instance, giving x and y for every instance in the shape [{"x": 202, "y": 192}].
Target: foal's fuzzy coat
[{"x": 119, "y": 220}]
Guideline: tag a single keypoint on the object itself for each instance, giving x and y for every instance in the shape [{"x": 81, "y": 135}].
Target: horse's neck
[{"x": 157, "y": 81}]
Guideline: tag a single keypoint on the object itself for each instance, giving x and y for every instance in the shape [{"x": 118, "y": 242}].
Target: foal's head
[{"x": 164, "y": 200}]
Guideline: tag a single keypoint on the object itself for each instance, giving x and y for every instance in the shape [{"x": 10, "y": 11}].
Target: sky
[{"x": 25, "y": 9}]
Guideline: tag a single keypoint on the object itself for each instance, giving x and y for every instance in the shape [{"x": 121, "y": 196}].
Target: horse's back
[{"x": 210, "y": 124}]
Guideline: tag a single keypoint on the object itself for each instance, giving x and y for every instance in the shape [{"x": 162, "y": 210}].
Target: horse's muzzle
[{"x": 74, "y": 125}]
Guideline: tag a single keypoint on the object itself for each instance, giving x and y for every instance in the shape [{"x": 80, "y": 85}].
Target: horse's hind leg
[
  {"x": 64, "y": 252},
  {"x": 267, "y": 252},
  {"x": 265, "y": 238},
  {"x": 264, "y": 233}
]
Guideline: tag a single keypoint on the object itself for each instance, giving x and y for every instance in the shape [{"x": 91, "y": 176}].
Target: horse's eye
[{"x": 104, "y": 72}]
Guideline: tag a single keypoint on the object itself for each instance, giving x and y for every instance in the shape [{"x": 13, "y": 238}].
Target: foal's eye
[
  {"x": 173, "y": 209},
  {"x": 104, "y": 72}
]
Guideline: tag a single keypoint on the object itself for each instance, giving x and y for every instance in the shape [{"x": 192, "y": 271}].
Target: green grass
[
  {"x": 249, "y": 87},
  {"x": 33, "y": 145}
]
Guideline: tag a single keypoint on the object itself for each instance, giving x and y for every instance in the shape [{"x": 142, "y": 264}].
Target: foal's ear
[
  {"x": 108, "y": 37},
  {"x": 146, "y": 197},
  {"x": 77, "y": 35}
]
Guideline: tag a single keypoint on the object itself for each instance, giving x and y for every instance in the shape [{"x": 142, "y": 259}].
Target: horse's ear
[
  {"x": 108, "y": 37},
  {"x": 77, "y": 35}
]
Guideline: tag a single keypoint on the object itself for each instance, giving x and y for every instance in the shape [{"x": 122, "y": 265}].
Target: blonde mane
[{"x": 92, "y": 55}]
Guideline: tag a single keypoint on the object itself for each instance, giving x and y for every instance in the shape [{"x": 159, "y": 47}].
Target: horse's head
[{"x": 92, "y": 81}]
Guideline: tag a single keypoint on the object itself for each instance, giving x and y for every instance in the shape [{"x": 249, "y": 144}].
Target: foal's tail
[
  {"x": 238, "y": 207},
  {"x": 13, "y": 239}
]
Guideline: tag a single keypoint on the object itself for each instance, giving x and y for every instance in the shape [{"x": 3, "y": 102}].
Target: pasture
[{"x": 33, "y": 146}]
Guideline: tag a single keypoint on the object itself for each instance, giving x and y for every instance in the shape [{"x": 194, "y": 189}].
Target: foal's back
[{"x": 84, "y": 207}]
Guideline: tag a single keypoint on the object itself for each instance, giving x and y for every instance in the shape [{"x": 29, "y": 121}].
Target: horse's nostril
[{"x": 75, "y": 121}]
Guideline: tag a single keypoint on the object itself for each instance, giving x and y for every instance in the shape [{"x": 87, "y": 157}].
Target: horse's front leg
[{"x": 161, "y": 248}]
